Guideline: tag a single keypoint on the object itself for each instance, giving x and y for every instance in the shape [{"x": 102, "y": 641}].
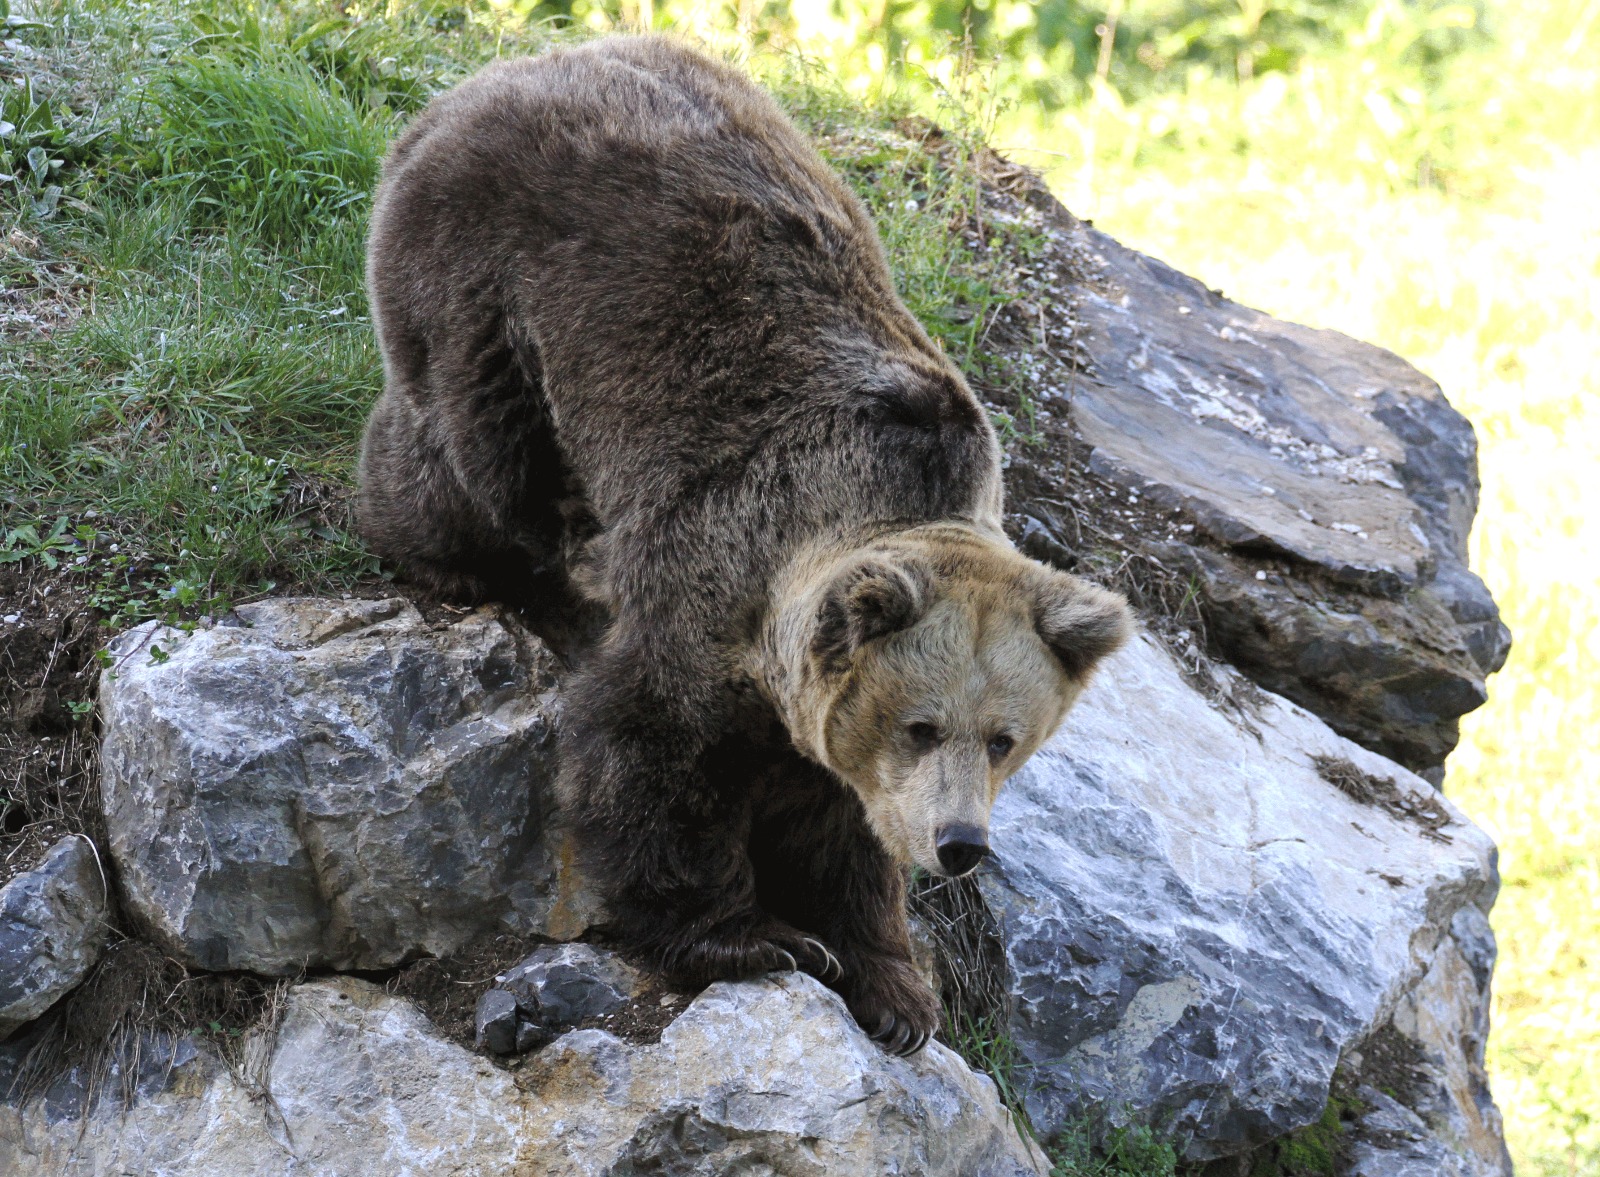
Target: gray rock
[
  {"x": 1199, "y": 925},
  {"x": 333, "y": 784},
  {"x": 1330, "y": 465},
  {"x": 1390, "y": 1140},
  {"x": 530, "y": 1036},
  {"x": 52, "y": 930},
  {"x": 769, "y": 1076},
  {"x": 496, "y": 1021},
  {"x": 560, "y": 985},
  {"x": 1444, "y": 1022}
]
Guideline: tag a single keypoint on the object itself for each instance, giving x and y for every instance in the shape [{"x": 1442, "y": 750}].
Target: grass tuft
[{"x": 264, "y": 144}]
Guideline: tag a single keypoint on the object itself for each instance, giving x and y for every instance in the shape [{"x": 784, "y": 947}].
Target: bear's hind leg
[
  {"x": 414, "y": 511},
  {"x": 820, "y": 866}
]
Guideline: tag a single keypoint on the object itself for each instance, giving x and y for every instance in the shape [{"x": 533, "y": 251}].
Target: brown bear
[{"x": 647, "y": 376}]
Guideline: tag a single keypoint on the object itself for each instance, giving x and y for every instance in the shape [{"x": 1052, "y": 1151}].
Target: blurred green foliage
[{"x": 1050, "y": 52}]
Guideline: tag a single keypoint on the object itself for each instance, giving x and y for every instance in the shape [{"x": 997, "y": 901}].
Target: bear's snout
[{"x": 961, "y": 847}]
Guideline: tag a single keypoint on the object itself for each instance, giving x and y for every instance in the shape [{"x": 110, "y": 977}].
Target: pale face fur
[{"x": 934, "y": 665}]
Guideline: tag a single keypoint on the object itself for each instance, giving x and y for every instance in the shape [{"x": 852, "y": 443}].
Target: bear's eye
[
  {"x": 924, "y": 735},
  {"x": 1000, "y": 746}
]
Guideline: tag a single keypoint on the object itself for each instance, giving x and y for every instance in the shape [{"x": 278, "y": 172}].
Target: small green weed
[
  {"x": 40, "y": 146},
  {"x": 1312, "y": 1151},
  {"x": 21, "y": 543},
  {"x": 1135, "y": 1151}
]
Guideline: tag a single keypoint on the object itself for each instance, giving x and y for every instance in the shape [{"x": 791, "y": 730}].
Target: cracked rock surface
[
  {"x": 759, "y": 1077},
  {"x": 1200, "y": 925},
  {"x": 332, "y": 784}
]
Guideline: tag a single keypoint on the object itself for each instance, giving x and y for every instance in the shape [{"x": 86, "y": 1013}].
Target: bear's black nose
[{"x": 961, "y": 847}]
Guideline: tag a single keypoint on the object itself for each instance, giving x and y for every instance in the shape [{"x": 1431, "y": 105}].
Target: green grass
[
  {"x": 204, "y": 395},
  {"x": 201, "y": 396},
  {"x": 261, "y": 143}
]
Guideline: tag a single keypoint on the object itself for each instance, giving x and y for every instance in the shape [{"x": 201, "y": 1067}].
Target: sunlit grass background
[{"x": 1420, "y": 173}]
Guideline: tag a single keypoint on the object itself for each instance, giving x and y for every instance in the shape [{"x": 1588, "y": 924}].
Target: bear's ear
[
  {"x": 877, "y": 596},
  {"x": 1080, "y": 622}
]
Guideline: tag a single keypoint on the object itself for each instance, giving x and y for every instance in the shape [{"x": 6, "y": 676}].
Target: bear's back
[{"x": 704, "y": 302}]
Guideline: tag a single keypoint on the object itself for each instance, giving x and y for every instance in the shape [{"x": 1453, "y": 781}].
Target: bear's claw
[
  {"x": 892, "y": 1003},
  {"x": 900, "y": 1037},
  {"x": 832, "y": 970},
  {"x": 740, "y": 947}
]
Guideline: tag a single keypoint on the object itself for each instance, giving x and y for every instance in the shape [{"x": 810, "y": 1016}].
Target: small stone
[
  {"x": 530, "y": 1035},
  {"x": 560, "y": 985},
  {"x": 1261, "y": 576},
  {"x": 52, "y": 930},
  {"x": 496, "y": 1023}
]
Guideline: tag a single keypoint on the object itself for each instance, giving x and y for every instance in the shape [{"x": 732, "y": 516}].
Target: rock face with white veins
[
  {"x": 1200, "y": 924},
  {"x": 333, "y": 784}
]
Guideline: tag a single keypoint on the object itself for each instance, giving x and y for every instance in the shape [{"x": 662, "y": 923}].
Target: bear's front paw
[
  {"x": 892, "y": 1003},
  {"x": 738, "y": 948}
]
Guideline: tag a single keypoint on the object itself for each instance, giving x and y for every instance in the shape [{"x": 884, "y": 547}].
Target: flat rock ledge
[
  {"x": 1315, "y": 491},
  {"x": 754, "y": 1078}
]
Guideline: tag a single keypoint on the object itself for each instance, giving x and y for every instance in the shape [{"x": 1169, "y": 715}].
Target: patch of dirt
[
  {"x": 447, "y": 990},
  {"x": 39, "y": 295},
  {"x": 1385, "y": 793},
  {"x": 48, "y": 751},
  {"x": 642, "y": 1020},
  {"x": 1394, "y": 1064}
]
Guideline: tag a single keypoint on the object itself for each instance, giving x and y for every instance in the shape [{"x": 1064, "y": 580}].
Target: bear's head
[{"x": 925, "y": 667}]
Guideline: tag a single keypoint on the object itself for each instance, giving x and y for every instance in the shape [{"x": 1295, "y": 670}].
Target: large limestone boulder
[
  {"x": 761, "y": 1077},
  {"x": 1205, "y": 910},
  {"x": 332, "y": 784},
  {"x": 1317, "y": 491},
  {"x": 53, "y": 926}
]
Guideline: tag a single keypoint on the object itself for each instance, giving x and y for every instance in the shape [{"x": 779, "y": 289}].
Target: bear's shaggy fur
[{"x": 647, "y": 376}]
